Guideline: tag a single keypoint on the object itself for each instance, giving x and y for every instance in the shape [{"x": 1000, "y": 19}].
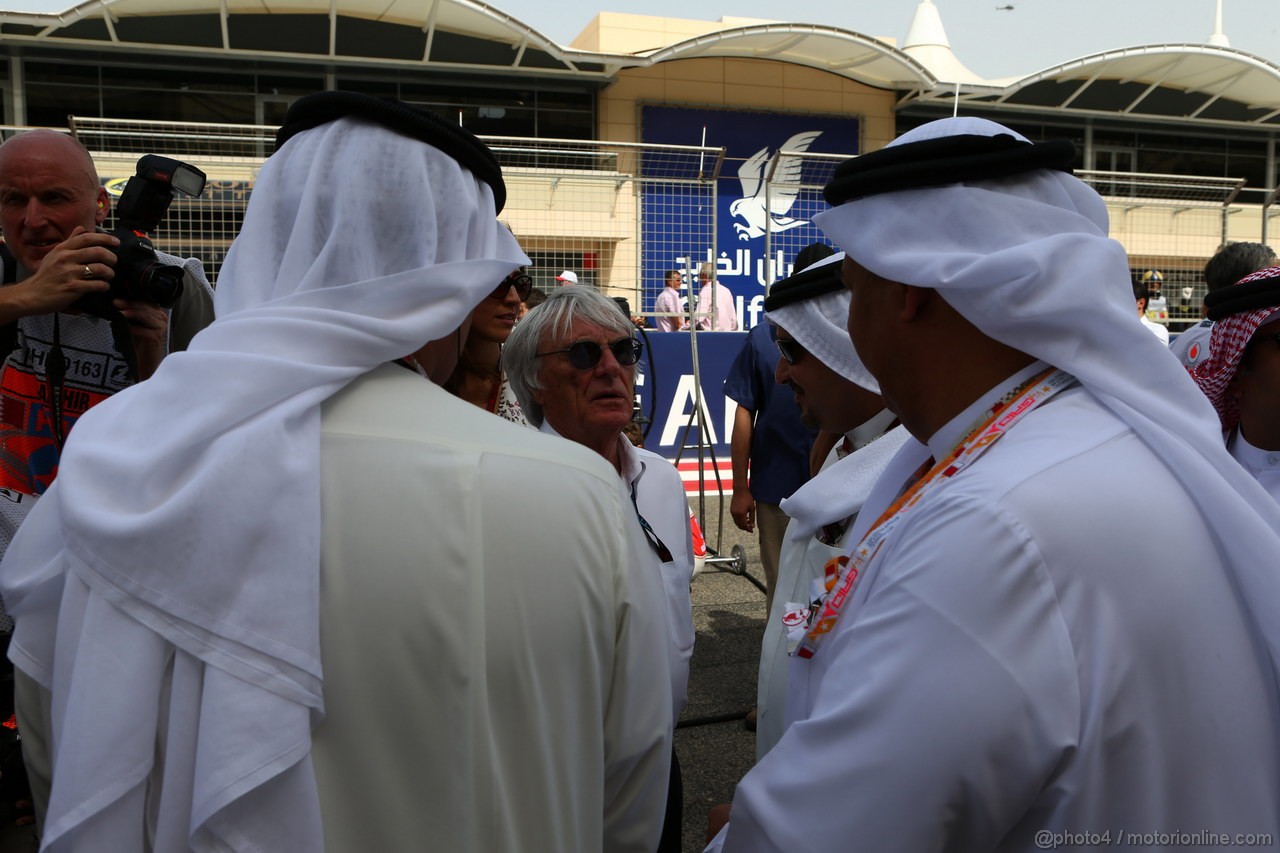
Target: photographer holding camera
[{"x": 67, "y": 341}]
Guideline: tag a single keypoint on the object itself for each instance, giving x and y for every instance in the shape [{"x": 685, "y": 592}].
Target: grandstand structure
[{"x": 649, "y": 143}]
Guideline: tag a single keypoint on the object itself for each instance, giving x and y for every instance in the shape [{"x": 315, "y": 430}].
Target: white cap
[{"x": 568, "y": 277}]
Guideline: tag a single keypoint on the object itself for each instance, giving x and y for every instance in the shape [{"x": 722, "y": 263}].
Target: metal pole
[{"x": 768, "y": 231}]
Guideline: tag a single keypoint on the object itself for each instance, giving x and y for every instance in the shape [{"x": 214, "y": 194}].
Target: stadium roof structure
[
  {"x": 1207, "y": 84},
  {"x": 843, "y": 52},
  {"x": 457, "y": 33},
  {"x": 1196, "y": 83}
]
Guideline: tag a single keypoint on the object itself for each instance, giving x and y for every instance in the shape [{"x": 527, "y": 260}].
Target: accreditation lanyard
[{"x": 843, "y": 574}]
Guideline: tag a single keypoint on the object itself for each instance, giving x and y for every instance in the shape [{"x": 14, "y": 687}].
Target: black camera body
[{"x": 139, "y": 274}]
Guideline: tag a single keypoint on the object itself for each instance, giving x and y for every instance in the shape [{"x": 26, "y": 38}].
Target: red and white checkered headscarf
[{"x": 1229, "y": 337}]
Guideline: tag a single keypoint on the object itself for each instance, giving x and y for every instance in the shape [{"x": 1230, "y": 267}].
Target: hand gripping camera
[{"x": 139, "y": 273}]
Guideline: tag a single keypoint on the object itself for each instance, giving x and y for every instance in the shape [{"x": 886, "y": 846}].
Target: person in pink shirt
[
  {"x": 723, "y": 316},
  {"x": 669, "y": 302}
]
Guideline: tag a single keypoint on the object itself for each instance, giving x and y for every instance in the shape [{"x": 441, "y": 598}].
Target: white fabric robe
[
  {"x": 836, "y": 493},
  {"x": 1264, "y": 465},
  {"x": 1017, "y": 660},
  {"x": 660, "y": 498},
  {"x": 494, "y": 669}
]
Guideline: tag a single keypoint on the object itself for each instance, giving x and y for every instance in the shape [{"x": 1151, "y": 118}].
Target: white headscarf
[
  {"x": 820, "y": 325},
  {"x": 166, "y": 588},
  {"x": 1027, "y": 260}
]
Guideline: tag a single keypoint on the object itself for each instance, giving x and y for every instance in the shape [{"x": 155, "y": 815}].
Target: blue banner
[
  {"x": 665, "y": 385},
  {"x": 674, "y": 219}
]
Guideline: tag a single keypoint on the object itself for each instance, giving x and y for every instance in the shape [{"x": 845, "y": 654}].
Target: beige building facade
[{"x": 1179, "y": 138}]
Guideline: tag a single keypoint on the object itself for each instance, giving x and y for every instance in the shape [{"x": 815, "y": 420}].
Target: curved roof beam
[
  {"x": 466, "y": 17},
  {"x": 825, "y": 48},
  {"x": 1114, "y": 58},
  {"x": 1219, "y": 73},
  {"x": 1162, "y": 75},
  {"x": 1222, "y": 90},
  {"x": 1077, "y": 93}
]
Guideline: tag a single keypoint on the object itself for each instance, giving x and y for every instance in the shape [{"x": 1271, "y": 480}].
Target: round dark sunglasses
[
  {"x": 585, "y": 355},
  {"x": 522, "y": 282}
]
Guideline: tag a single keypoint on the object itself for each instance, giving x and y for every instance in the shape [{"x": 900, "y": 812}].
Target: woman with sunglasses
[
  {"x": 572, "y": 363},
  {"x": 479, "y": 378}
]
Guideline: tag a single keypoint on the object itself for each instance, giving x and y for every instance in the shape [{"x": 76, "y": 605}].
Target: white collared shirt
[
  {"x": 1264, "y": 465},
  {"x": 660, "y": 499}
]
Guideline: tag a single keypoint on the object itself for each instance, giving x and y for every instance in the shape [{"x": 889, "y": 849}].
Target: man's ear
[
  {"x": 104, "y": 206},
  {"x": 914, "y": 301}
]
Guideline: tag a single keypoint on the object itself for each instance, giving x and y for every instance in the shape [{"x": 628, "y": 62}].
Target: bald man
[{"x": 52, "y": 206}]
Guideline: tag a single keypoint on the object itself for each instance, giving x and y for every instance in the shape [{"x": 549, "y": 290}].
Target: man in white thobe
[
  {"x": 834, "y": 393},
  {"x": 1004, "y": 665},
  {"x": 492, "y": 677},
  {"x": 459, "y": 694}
]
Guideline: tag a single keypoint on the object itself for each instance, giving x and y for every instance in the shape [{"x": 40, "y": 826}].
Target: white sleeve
[
  {"x": 638, "y": 726},
  {"x": 939, "y": 709}
]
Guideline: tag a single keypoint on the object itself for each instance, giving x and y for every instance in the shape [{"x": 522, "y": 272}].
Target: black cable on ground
[{"x": 713, "y": 719}]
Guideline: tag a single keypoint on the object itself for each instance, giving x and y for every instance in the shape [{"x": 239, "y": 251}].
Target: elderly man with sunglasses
[{"x": 571, "y": 363}]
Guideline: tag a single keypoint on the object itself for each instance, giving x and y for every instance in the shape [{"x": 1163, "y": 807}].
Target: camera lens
[{"x": 161, "y": 284}]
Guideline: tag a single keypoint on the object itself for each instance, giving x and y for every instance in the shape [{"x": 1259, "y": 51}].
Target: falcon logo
[{"x": 785, "y": 180}]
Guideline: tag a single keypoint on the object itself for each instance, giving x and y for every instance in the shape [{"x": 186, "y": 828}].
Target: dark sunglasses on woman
[{"x": 519, "y": 280}]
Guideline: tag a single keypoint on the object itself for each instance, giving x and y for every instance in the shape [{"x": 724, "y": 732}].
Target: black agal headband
[
  {"x": 946, "y": 160},
  {"x": 1259, "y": 289},
  {"x": 809, "y": 283},
  {"x": 459, "y": 143}
]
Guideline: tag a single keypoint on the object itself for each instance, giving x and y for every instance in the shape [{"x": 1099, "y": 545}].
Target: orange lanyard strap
[{"x": 843, "y": 574}]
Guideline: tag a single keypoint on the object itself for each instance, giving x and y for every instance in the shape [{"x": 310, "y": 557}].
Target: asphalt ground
[
  {"x": 728, "y": 613},
  {"x": 714, "y": 748}
]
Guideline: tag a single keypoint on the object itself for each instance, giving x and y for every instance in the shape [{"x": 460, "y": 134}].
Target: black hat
[
  {"x": 435, "y": 130},
  {"x": 1259, "y": 289},
  {"x": 941, "y": 161},
  {"x": 810, "y": 283}
]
